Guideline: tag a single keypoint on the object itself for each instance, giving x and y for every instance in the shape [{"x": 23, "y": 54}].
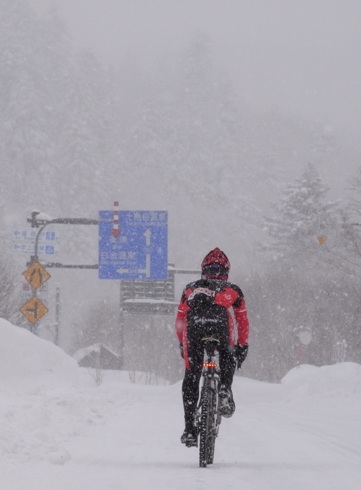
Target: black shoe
[
  {"x": 189, "y": 437},
  {"x": 226, "y": 402}
]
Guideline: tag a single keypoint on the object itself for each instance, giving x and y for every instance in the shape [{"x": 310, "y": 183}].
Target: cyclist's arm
[
  {"x": 181, "y": 319},
  {"x": 240, "y": 314}
]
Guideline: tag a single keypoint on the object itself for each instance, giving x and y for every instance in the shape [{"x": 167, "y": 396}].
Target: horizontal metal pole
[
  {"x": 75, "y": 221},
  {"x": 185, "y": 271},
  {"x": 64, "y": 221},
  {"x": 71, "y": 266},
  {"x": 58, "y": 265}
]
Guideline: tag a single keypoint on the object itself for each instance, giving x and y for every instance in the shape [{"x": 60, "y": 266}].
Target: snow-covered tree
[
  {"x": 298, "y": 288},
  {"x": 302, "y": 215}
]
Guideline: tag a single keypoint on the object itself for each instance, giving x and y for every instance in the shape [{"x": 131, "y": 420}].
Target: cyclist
[{"x": 206, "y": 309}]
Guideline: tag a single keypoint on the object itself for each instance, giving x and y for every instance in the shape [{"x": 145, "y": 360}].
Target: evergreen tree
[
  {"x": 29, "y": 98},
  {"x": 302, "y": 216},
  {"x": 345, "y": 257},
  {"x": 298, "y": 288},
  {"x": 189, "y": 134}
]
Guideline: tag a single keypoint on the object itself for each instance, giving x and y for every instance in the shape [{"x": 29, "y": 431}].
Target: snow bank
[
  {"x": 42, "y": 401},
  {"x": 29, "y": 363},
  {"x": 343, "y": 379}
]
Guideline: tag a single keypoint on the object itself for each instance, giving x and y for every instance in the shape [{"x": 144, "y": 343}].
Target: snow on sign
[{"x": 139, "y": 251}]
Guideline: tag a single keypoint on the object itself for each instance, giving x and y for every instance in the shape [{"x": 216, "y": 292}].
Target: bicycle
[{"x": 208, "y": 417}]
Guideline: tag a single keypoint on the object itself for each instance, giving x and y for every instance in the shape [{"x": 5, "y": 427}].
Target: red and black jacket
[{"x": 215, "y": 300}]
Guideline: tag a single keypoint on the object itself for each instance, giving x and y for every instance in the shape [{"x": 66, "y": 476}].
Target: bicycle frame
[{"x": 208, "y": 418}]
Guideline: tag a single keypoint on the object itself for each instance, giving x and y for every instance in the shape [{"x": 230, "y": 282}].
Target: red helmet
[{"x": 216, "y": 265}]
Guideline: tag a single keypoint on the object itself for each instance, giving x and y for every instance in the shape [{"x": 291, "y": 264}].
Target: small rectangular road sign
[
  {"x": 139, "y": 250},
  {"x": 23, "y": 241}
]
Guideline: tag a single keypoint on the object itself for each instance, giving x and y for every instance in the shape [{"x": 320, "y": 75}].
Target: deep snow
[{"x": 60, "y": 431}]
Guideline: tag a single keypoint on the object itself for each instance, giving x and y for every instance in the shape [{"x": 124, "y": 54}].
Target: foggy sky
[{"x": 299, "y": 56}]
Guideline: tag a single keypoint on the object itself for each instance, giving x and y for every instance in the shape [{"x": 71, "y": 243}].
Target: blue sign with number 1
[{"x": 139, "y": 250}]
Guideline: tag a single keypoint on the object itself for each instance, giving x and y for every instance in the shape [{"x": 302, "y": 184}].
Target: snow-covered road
[{"x": 60, "y": 431}]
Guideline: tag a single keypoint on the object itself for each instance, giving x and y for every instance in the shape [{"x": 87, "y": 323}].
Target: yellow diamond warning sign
[
  {"x": 33, "y": 309},
  {"x": 36, "y": 275}
]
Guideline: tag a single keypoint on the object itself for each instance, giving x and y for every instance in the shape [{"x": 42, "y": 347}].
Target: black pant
[{"x": 227, "y": 364}]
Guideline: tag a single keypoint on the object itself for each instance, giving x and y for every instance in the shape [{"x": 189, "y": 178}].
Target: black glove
[
  {"x": 181, "y": 350},
  {"x": 240, "y": 353}
]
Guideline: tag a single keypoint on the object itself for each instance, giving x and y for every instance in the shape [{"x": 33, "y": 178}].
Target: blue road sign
[
  {"x": 23, "y": 241},
  {"x": 139, "y": 250}
]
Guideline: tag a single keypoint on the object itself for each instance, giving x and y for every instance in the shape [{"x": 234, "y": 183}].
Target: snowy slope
[{"x": 60, "y": 431}]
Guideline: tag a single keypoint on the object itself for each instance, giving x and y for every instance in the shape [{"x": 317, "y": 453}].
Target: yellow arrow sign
[
  {"x": 33, "y": 309},
  {"x": 36, "y": 275}
]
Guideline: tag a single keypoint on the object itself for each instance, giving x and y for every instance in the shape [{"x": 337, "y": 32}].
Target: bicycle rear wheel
[
  {"x": 204, "y": 425},
  {"x": 208, "y": 425},
  {"x": 212, "y": 425}
]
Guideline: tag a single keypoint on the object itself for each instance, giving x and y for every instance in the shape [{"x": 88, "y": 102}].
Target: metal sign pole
[
  {"x": 57, "y": 315},
  {"x": 121, "y": 323}
]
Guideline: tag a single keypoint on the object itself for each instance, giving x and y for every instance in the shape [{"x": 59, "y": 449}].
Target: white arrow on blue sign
[{"x": 139, "y": 251}]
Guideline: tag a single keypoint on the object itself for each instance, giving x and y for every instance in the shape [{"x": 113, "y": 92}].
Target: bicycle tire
[
  {"x": 212, "y": 425},
  {"x": 204, "y": 425}
]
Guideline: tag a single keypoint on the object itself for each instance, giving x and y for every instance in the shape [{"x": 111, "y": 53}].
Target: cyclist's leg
[
  {"x": 227, "y": 362},
  {"x": 190, "y": 392},
  {"x": 190, "y": 386},
  {"x": 227, "y": 366}
]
